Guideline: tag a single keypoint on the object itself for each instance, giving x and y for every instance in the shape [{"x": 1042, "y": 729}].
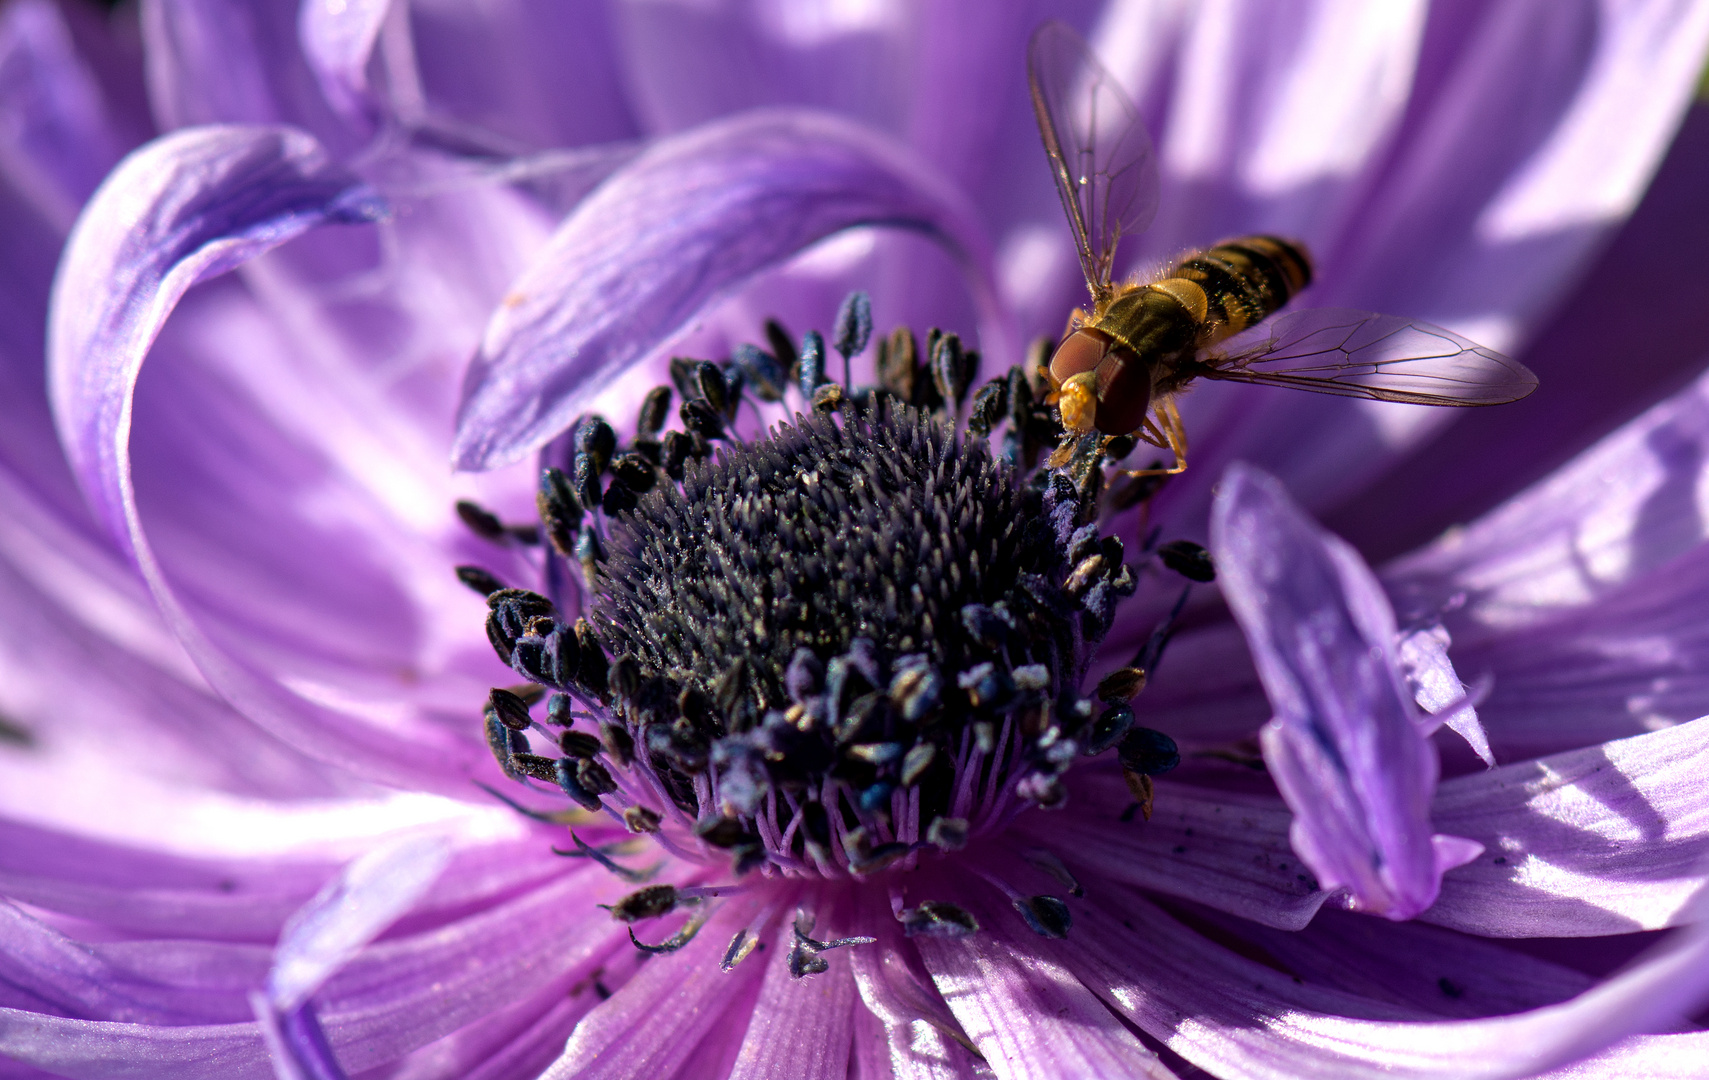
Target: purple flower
[{"x": 842, "y": 721}]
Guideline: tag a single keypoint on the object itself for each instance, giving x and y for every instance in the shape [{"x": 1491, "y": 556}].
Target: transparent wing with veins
[
  {"x": 1381, "y": 357},
  {"x": 1100, "y": 154}
]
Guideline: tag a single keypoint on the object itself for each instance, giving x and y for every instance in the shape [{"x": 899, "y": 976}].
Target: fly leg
[{"x": 1165, "y": 433}]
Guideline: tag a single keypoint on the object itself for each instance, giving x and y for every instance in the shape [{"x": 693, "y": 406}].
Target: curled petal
[
  {"x": 349, "y": 912},
  {"x": 337, "y": 37},
  {"x": 1345, "y": 745},
  {"x": 182, "y": 209},
  {"x": 689, "y": 220}
]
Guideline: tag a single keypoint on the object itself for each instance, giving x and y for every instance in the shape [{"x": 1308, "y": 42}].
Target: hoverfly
[{"x": 1119, "y": 368}]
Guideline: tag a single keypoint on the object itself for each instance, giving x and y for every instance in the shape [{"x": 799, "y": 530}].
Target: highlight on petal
[
  {"x": 688, "y": 221},
  {"x": 352, "y": 910},
  {"x": 1609, "y": 839},
  {"x": 180, "y": 210},
  {"x": 1345, "y": 745}
]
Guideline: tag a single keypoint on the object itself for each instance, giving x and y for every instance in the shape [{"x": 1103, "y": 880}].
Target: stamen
[{"x": 584, "y": 850}]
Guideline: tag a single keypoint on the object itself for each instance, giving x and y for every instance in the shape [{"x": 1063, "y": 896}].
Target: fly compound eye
[{"x": 1079, "y": 352}]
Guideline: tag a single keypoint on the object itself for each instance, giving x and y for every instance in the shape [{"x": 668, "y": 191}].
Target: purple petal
[
  {"x": 1436, "y": 687},
  {"x": 1249, "y": 1019},
  {"x": 211, "y": 62},
  {"x": 1605, "y": 840},
  {"x": 185, "y": 208},
  {"x": 1225, "y": 850},
  {"x": 337, "y": 38},
  {"x": 656, "y": 1022},
  {"x": 1510, "y": 167},
  {"x": 1031, "y": 1018},
  {"x": 353, "y": 909},
  {"x": 690, "y": 219},
  {"x": 801, "y": 1027},
  {"x": 915, "y": 1037},
  {"x": 541, "y": 72},
  {"x": 60, "y": 140},
  {"x": 1419, "y": 967},
  {"x": 1345, "y": 746}
]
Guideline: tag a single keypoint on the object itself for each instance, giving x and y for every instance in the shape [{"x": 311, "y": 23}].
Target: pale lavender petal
[
  {"x": 183, "y": 209},
  {"x": 1632, "y": 660},
  {"x": 801, "y": 1027},
  {"x": 692, "y": 218},
  {"x": 211, "y": 62},
  {"x": 916, "y": 1037},
  {"x": 1420, "y": 967},
  {"x": 1028, "y": 1014},
  {"x": 1344, "y": 746},
  {"x": 353, "y": 909},
  {"x": 653, "y": 1025},
  {"x": 102, "y": 1050},
  {"x": 59, "y": 140},
  {"x": 1654, "y": 1057},
  {"x": 1624, "y": 508},
  {"x": 1512, "y": 165},
  {"x": 1225, "y": 850},
  {"x": 1605, "y": 840},
  {"x": 337, "y": 38},
  {"x": 539, "y": 73},
  {"x": 1239, "y": 1018},
  {"x": 1436, "y": 687}
]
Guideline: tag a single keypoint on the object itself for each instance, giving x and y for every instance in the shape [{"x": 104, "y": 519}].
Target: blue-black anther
[
  {"x": 853, "y": 327},
  {"x": 655, "y": 409},
  {"x": 587, "y": 469},
  {"x": 1110, "y": 728},
  {"x": 949, "y": 370},
  {"x": 987, "y": 685},
  {"x": 595, "y": 437},
  {"x": 763, "y": 370},
  {"x": 916, "y": 689},
  {"x": 1148, "y": 752},
  {"x": 558, "y": 709},
  {"x": 1048, "y": 916},
  {"x": 805, "y": 675},
  {"x": 984, "y": 626},
  {"x": 1188, "y": 559},
  {"x": 511, "y": 710},
  {"x": 564, "y": 772},
  {"x": 699, "y": 416},
  {"x": 876, "y": 797},
  {"x": 810, "y": 371},
  {"x": 714, "y": 388}
]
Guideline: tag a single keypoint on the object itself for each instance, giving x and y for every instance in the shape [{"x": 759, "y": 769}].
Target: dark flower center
[{"x": 836, "y": 648}]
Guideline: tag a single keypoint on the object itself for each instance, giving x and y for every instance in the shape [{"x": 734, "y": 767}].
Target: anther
[
  {"x": 1188, "y": 559},
  {"x": 853, "y": 325},
  {"x": 510, "y": 709},
  {"x": 1122, "y": 684},
  {"x": 482, "y": 581},
  {"x": 763, "y": 371},
  {"x": 782, "y": 347},
  {"x": 1046, "y": 915},
  {"x": 1110, "y": 728},
  {"x": 810, "y": 368},
  {"x": 481, "y": 521},
  {"x": 937, "y": 919},
  {"x": 646, "y": 903},
  {"x": 579, "y": 744},
  {"x": 1148, "y": 752},
  {"x": 655, "y": 408},
  {"x": 595, "y": 438}
]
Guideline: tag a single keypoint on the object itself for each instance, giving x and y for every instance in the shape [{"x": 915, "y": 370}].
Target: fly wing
[
  {"x": 1100, "y": 154},
  {"x": 1382, "y": 357}
]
